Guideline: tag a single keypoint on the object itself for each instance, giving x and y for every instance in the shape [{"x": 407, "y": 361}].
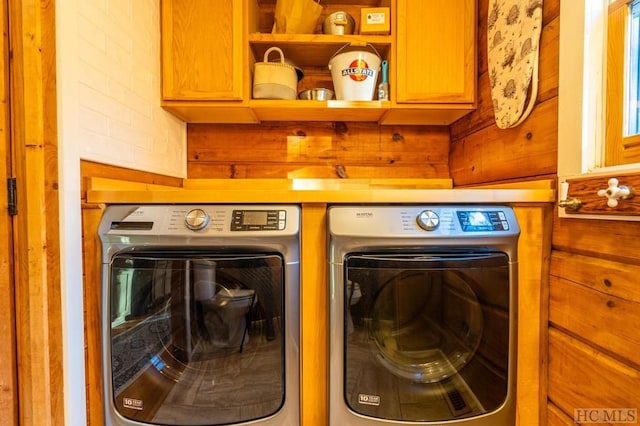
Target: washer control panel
[
  {"x": 428, "y": 220},
  {"x": 196, "y": 219},
  {"x": 258, "y": 220},
  {"x": 202, "y": 220}
]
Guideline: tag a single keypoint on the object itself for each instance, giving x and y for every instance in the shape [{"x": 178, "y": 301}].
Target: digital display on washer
[
  {"x": 258, "y": 220},
  {"x": 482, "y": 221},
  {"x": 254, "y": 218}
]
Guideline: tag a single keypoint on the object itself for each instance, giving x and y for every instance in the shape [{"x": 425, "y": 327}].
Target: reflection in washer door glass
[
  {"x": 426, "y": 337},
  {"x": 197, "y": 341}
]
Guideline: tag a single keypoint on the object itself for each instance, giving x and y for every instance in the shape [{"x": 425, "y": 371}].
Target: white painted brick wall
[{"x": 120, "y": 122}]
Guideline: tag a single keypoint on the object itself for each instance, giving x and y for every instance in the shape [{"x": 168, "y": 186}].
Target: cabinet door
[
  {"x": 436, "y": 51},
  {"x": 202, "y": 48}
]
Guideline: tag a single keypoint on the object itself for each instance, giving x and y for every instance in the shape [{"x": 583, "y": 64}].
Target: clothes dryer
[{"x": 422, "y": 315}]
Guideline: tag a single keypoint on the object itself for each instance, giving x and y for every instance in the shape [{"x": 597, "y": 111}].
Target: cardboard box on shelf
[{"x": 375, "y": 20}]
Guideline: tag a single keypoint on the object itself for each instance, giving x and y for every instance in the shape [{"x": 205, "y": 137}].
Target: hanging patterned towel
[{"x": 513, "y": 42}]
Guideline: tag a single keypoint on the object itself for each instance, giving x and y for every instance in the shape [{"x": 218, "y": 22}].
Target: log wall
[
  {"x": 593, "y": 307},
  {"x": 317, "y": 150}
]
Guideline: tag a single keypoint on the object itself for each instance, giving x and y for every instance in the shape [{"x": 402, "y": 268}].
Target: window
[
  {"x": 582, "y": 105},
  {"x": 632, "y": 101},
  {"x": 622, "y": 133}
]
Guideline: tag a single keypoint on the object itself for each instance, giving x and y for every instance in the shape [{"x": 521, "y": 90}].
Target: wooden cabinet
[
  {"x": 208, "y": 55},
  {"x": 435, "y": 61},
  {"x": 204, "y": 60}
]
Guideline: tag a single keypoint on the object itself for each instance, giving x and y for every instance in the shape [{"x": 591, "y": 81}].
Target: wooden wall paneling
[
  {"x": 482, "y": 153},
  {"x": 534, "y": 248},
  {"x": 607, "y": 277},
  {"x": 8, "y": 366},
  {"x": 314, "y": 316},
  {"x": 605, "y": 320},
  {"x": 483, "y": 116},
  {"x": 582, "y": 377},
  {"x": 492, "y": 154},
  {"x": 37, "y": 252},
  {"x": 301, "y": 171},
  {"x": 92, "y": 169},
  {"x": 555, "y": 417},
  {"x": 92, "y": 297},
  {"x": 612, "y": 240},
  {"x": 550, "y": 11},
  {"x": 315, "y": 150}
]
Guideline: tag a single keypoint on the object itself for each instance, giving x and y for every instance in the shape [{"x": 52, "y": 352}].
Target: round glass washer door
[{"x": 425, "y": 325}]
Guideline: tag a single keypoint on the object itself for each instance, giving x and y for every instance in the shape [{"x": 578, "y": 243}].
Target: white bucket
[{"x": 355, "y": 73}]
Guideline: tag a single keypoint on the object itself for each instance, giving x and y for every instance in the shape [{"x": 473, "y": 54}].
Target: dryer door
[{"x": 426, "y": 335}]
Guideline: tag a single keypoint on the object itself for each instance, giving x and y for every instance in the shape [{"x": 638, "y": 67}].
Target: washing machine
[
  {"x": 200, "y": 314},
  {"x": 422, "y": 314}
]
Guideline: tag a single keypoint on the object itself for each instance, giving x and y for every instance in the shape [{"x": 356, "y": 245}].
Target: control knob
[
  {"x": 428, "y": 220},
  {"x": 196, "y": 219}
]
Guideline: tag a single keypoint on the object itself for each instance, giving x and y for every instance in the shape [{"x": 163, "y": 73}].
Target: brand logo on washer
[
  {"x": 364, "y": 214},
  {"x": 369, "y": 399},
  {"x": 135, "y": 404}
]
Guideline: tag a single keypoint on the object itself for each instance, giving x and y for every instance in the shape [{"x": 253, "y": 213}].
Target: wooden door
[
  {"x": 8, "y": 374},
  {"x": 36, "y": 240},
  {"x": 436, "y": 51},
  {"x": 202, "y": 50}
]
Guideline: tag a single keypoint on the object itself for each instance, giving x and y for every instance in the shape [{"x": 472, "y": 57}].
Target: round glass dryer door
[
  {"x": 425, "y": 326},
  {"x": 426, "y": 335}
]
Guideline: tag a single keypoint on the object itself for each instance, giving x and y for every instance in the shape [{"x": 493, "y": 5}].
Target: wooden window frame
[
  {"x": 581, "y": 115},
  {"x": 619, "y": 149}
]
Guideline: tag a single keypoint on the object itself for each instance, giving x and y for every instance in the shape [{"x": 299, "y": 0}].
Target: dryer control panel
[
  {"x": 478, "y": 221},
  {"x": 430, "y": 221}
]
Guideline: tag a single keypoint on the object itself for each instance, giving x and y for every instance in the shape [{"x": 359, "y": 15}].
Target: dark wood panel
[
  {"x": 586, "y": 190},
  {"x": 493, "y": 154}
]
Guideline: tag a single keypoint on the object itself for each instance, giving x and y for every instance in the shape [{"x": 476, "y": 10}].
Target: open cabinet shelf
[{"x": 207, "y": 69}]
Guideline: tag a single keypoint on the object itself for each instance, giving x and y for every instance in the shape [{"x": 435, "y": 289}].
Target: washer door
[
  {"x": 195, "y": 338},
  {"x": 426, "y": 335}
]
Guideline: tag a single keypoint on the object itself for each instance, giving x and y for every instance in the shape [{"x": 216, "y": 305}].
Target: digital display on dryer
[{"x": 482, "y": 221}]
